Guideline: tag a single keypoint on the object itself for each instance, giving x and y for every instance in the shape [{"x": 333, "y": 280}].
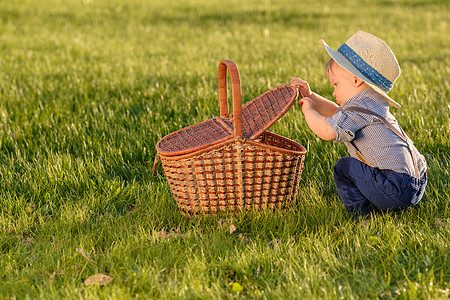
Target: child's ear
[{"x": 357, "y": 82}]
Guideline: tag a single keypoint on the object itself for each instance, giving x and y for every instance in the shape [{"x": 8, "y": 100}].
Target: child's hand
[{"x": 302, "y": 86}]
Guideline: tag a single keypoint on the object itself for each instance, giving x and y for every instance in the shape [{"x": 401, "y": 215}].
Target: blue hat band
[{"x": 367, "y": 70}]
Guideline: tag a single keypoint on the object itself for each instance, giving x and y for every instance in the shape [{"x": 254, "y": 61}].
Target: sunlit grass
[{"x": 89, "y": 86}]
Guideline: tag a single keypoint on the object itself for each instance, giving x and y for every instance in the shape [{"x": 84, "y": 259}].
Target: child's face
[{"x": 343, "y": 82}]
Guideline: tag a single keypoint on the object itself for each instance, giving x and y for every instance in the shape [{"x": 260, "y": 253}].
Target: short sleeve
[{"x": 346, "y": 124}]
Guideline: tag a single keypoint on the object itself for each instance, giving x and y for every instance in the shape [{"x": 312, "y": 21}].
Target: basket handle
[
  {"x": 236, "y": 94},
  {"x": 155, "y": 165}
]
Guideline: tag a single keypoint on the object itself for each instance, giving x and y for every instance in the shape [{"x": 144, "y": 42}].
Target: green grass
[{"x": 88, "y": 87}]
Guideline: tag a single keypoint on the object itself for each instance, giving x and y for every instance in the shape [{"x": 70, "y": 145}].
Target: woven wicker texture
[
  {"x": 195, "y": 137},
  {"x": 231, "y": 163},
  {"x": 263, "y": 111},
  {"x": 237, "y": 176},
  {"x": 254, "y": 117}
]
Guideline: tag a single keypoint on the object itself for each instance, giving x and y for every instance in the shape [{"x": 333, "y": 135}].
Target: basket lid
[
  {"x": 257, "y": 116},
  {"x": 246, "y": 122},
  {"x": 262, "y": 112},
  {"x": 195, "y": 137}
]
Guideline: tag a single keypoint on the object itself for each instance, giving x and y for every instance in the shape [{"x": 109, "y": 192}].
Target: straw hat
[{"x": 370, "y": 59}]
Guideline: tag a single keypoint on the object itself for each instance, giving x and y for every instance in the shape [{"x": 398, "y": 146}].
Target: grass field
[{"x": 88, "y": 87}]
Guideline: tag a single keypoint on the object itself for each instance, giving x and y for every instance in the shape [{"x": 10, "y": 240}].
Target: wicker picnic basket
[{"x": 231, "y": 163}]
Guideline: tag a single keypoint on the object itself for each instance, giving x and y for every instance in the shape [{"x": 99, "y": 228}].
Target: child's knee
[{"x": 342, "y": 165}]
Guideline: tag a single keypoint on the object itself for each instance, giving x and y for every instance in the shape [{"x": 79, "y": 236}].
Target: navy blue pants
[{"x": 363, "y": 188}]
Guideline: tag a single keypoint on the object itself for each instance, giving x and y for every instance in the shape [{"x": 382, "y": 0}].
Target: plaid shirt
[{"x": 379, "y": 146}]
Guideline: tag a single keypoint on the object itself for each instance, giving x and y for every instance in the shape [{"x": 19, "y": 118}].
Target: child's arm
[
  {"x": 317, "y": 122},
  {"x": 323, "y": 106}
]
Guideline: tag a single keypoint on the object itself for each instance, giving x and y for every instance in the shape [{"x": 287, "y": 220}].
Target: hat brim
[{"x": 346, "y": 64}]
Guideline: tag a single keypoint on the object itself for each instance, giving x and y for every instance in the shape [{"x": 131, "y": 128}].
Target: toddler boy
[{"x": 384, "y": 171}]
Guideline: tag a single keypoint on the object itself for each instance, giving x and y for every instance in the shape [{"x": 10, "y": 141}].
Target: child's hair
[{"x": 329, "y": 66}]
